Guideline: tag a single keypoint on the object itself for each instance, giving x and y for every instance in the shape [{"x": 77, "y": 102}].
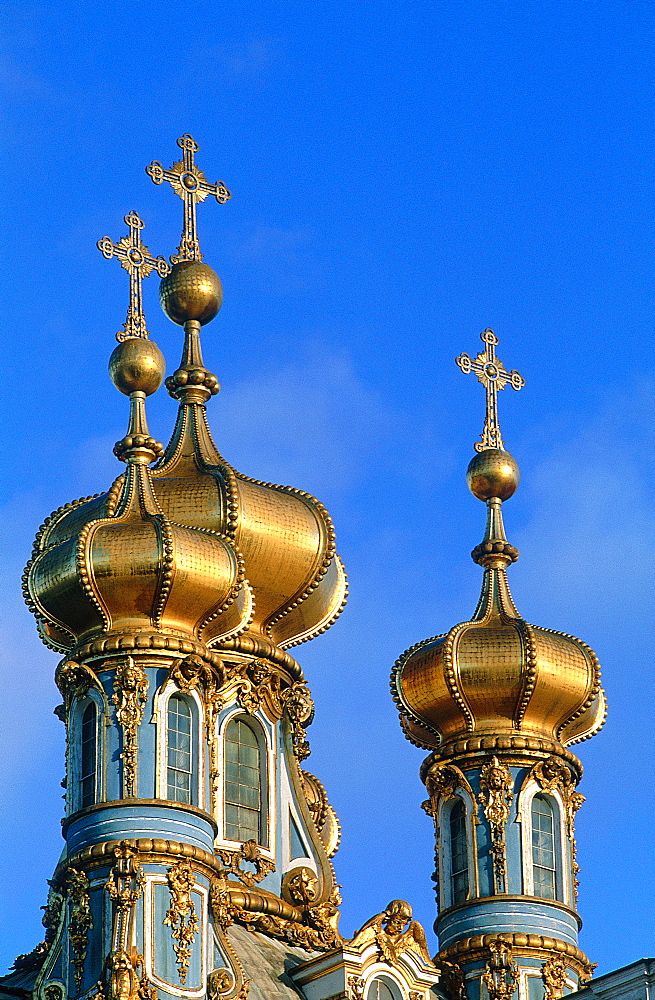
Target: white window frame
[
  {"x": 73, "y": 789},
  {"x": 160, "y": 718},
  {"x": 563, "y": 873},
  {"x": 267, "y": 732},
  {"x": 445, "y": 854}
]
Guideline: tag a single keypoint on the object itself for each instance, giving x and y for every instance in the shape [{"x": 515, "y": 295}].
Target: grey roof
[{"x": 266, "y": 961}]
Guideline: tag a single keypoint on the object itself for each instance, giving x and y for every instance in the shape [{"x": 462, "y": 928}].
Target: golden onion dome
[
  {"x": 190, "y": 548},
  {"x": 497, "y": 674},
  {"x": 116, "y": 564}
]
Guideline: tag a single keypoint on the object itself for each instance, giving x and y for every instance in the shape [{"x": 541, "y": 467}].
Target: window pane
[
  {"x": 243, "y": 797},
  {"x": 459, "y": 874},
  {"x": 178, "y": 744},
  {"x": 543, "y": 848},
  {"x": 88, "y": 756}
]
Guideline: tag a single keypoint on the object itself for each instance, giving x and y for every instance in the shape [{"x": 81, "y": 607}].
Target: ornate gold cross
[
  {"x": 191, "y": 185},
  {"x": 489, "y": 370},
  {"x": 138, "y": 262}
]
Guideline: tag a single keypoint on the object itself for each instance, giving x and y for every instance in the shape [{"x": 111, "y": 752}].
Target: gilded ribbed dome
[
  {"x": 116, "y": 564},
  {"x": 497, "y": 674},
  {"x": 190, "y": 548}
]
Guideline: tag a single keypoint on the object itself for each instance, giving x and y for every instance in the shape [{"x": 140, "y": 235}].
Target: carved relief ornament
[
  {"x": 496, "y": 799},
  {"x": 251, "y": 852},
  {"x": 79, "y": 920},
  {"x": 553, "y": 773},
  {"x": 130, "y": 694},
  {"x": 181, "y": 916},
  {"x": 394, "y": 932},
  {"x": 553, "y": 973},
  {"x": 501, "y": 973}
]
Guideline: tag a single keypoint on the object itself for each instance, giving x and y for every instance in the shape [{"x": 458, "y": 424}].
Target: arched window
[
  {"x": 179, "y": 750},
  {"x": 459, "y": 867},
  {"x": 383, "y": 988},
  {"x": 88, "y": 755},
  {"x": 243, "y": 783},
  {"x": 544, "y": 871}
]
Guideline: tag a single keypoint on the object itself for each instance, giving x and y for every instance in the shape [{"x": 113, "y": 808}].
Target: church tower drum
[
  {"x": 173, "y": 598},
  {"x": 498, "y": 702}
]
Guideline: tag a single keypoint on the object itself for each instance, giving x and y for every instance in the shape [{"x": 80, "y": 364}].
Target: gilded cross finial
[
  {"x": 138, "y": 262},
  {"x": 191, "y": 185},
  {"x": 489, "y": 370}
]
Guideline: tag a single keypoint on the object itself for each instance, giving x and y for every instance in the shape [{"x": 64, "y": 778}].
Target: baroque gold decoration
[
  {"x": 190, "y": 184},
  {"x": 123, "y": 981},
  {"x": 501, "y": 974},
  {"x": 451, "y": 979},
  {"x": 299, "y": 706},
  {"x": 553, "y": 773},
  {"x": 496, "y": 798},
  {"x": 575, "y": 869},
  {"x": 300, "y": 887},
  {"x": 490, "y": 372},
  {"x": 356, "y": 987},
  {"x": 124, "y": 885},
  {"x": 79, "y": 920},
  {"x": 53, "y": 991},
  {"x": 181, "y": 916},
  {"x": 74, "y": 681},
  {"x": 554, "y": 976},
  {"x": 138, "y": 262},
  {"x": 251, "y": 852},
  {"x": 394, "y": 932},
  {"x": 318, "y": 930},
  {"x": 130, "y": 694}
]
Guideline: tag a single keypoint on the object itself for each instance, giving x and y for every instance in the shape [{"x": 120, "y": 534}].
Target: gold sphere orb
[
  {"x": 137, "y": 365},
  {"x": 492, "y": 473},
  {"x": 192, "y": 290}
]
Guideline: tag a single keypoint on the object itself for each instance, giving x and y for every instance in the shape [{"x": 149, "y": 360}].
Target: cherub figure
[{"x": 394, "y": 932}]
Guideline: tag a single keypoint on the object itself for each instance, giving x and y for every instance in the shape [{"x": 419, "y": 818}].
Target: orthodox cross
[
  {"x": 138, "y": 262},
  {"x": 489, "y": 370},
  {"x": 191, "y": 185}
]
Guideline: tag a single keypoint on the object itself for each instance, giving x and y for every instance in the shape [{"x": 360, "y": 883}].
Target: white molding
[
  {"x": 268, "y": 730},
  {"x": 444, "y": 852},
  {"x": 562, "y": 849},
  {"x": 160, "y": 720}
]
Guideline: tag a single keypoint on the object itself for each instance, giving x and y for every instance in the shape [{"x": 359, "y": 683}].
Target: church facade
[{"x": 197, "y": 860}]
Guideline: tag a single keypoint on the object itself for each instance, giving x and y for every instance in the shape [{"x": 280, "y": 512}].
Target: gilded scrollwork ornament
[
  {"x": 553, "y": 773},
  {"x": 356, "y": 987},
  {"x": 124, "y": 886},
  {"x": 501, "y": 973},
  {"x": 452, "y": 980},
  {"x": 74, "y": 681},
  {"x": 181, "y": 916},
  {"x": 554, "y": 975},
  {"x": 80, "y": 920},
  {"x": 130, "y": 695},
  {"x": 496, "y": 797},
  {"x": 249, "y": 852},
  {"x": 299, "y": 707}
]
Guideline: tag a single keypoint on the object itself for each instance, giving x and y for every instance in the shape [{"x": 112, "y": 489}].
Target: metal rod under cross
[{"x": 489, "y": 370}]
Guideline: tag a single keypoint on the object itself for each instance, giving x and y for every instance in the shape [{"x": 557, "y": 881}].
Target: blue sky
[{"x": 403, "y": 176}]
